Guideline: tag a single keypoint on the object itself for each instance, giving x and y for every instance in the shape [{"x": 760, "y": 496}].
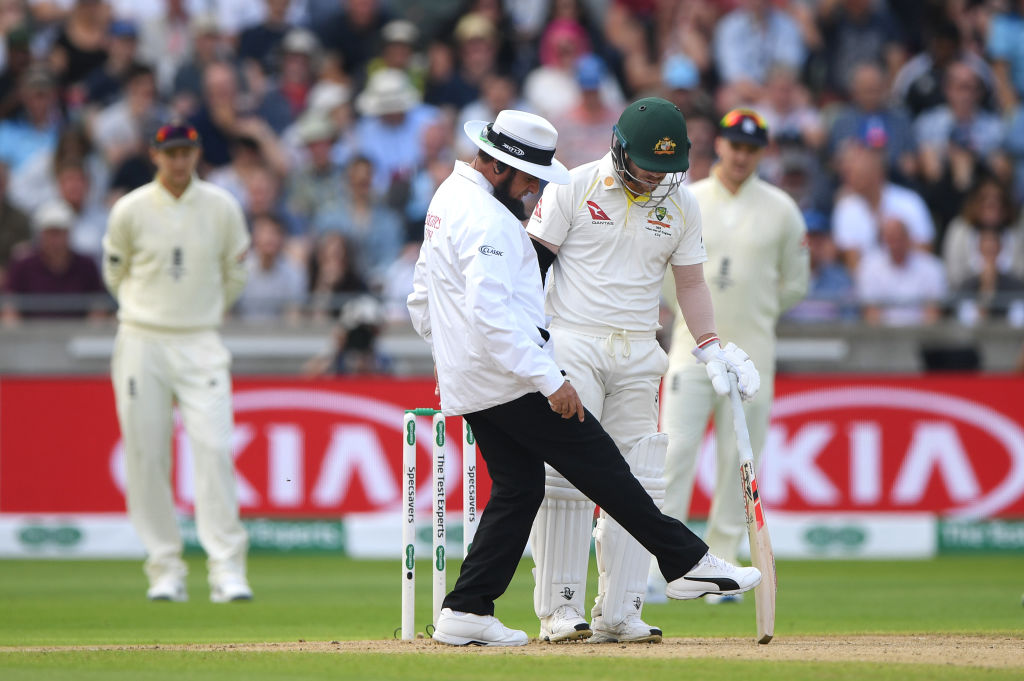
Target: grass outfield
[{"x": 47, "y": 604}]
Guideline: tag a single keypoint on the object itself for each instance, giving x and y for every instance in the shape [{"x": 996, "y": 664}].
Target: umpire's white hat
[{"x": 523, "y": 140}]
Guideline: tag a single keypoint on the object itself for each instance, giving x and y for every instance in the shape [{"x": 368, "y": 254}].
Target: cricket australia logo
[
  {"x": 568, "y": 593},
  {"x": 666, "y": 146},
  {"x": 490, "y": 250},
  {"x": 658, "y": 221}
]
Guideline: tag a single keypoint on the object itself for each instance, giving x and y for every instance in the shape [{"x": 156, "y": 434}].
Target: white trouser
[
  {"x": 689, "y": 402},
  {"x": 150, "y": 372},
  {"x": 617, "y": 376}
]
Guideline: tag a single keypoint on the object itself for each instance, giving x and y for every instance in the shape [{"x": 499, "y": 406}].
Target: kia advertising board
[{"x": 843, "y": 454}]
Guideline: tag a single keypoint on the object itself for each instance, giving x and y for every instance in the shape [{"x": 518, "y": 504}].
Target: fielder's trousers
[{"x": 516, "y": 439}]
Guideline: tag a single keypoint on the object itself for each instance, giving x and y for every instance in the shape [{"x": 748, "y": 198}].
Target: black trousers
[{"x": 516, "y": 439}]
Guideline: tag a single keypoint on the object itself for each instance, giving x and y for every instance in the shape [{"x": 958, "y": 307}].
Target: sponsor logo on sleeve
[
  {"x": 536, "y": 211},
  {"x": 490, "y": 250}
]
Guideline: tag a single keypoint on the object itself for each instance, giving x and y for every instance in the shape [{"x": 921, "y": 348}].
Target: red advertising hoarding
[{"x": 952, "y": 446}]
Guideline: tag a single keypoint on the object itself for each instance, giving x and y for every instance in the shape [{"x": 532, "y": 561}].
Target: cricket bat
[{"x": 761, "y": 554}]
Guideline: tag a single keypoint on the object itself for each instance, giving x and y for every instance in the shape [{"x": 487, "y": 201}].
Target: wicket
[{"x": 438, "y": 513}]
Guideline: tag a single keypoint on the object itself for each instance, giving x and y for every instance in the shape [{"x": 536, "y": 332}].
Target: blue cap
[
  {"x": 816, "y": 221},
  {"x": 872, "y": 132},
  {"x": 123, "y": 29},
  {"x": 680, "y": 73},
  {"x": 589, "y": 71}
]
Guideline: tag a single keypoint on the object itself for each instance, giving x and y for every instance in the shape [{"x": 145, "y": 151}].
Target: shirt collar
[
  {"x": 606, "y": 172},
  {"x": 186, "y": 195},
  {"x": 467, "y": 171},
  {"x": 742, "y": 188}
]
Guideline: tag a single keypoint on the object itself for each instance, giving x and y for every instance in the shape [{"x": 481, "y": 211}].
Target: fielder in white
[
  {"x": 757, "y": 268},
  {"x": 608, "y": 236},
  {"x": 173, "y": 256}
]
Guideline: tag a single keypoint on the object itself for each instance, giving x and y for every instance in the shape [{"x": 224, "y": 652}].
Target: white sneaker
[
  {"x": 168, "y": 589},
  {"x": 564, "y": 624},
  {"x": 715, "y": 599},
  {"x": 230, "y": 588},
  {"x": 712, "y": 575},
  {"x": 630, "y": 630},
  {"x": 466, "y": 629},
  {"x": 656, "y": 590}
]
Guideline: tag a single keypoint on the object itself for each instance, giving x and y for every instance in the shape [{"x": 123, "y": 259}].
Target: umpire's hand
[{"x": 566, "y": 402}]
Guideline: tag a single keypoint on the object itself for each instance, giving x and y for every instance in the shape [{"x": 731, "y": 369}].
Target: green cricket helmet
[{"x": 652, "y": 133}]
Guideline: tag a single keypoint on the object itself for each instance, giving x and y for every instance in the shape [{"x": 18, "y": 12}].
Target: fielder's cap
[
  {"x": 652, "y": 131},
  {"x": 54, "y": 214},
  {"x": 589, "y": 71},
  {"x": 680, "y": 73},
  {"x": 300, "y": 41},
  {"x": 388, "y": 91},
  {"x": 123, "y": 29},
  {"x": 523, "y": 140},
  {"x": 745, "y": 126},
  {"x": 175, "y": 134},
  {"x": 400, "y": 31}
]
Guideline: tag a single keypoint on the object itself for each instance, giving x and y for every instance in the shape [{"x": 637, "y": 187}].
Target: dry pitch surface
[{"x": 965, "y": 651}]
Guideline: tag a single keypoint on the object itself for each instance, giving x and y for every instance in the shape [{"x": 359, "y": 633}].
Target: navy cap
[
  {"x": 177, "y": 134},
  {"x": 123, "y": 29}
]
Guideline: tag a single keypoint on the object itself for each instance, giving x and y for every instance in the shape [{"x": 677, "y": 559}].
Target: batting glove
[{"x": 720, "y": 361}]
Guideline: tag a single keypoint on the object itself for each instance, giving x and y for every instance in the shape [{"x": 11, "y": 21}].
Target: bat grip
[{"x": 739, "y": 422}]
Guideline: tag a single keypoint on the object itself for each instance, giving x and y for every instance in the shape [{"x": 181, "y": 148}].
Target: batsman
[{"x": 607, "y": 237}]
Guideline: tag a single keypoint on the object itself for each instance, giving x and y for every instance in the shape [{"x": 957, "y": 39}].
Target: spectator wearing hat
[
  {"x": 15, "y": 229},
  {"x": 393, "y": 118},
  {"x": 259, "y": 42},
  {"x": 867, "y": 196},
  {"x": 104, "y": 84},
  {"x": 680, "y": 84},
  {"x": 498, "y": 91},
  {"x": 398, "y": 51},
  {"x": 456, "y": 75},
  {"x": 299, "y": 58},
  {"x": 584, "y": 129},
  {"x": 36, "y": 126},
  {"x": 315, "y": 180},
  {"x": 868, "y": 110},
  {"x": 830, "y": 290},
  {"x": 52, "y": 269}
]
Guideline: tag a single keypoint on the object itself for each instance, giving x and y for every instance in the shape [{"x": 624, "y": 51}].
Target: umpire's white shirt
[
  {"x": 477, "y": 299},
  {"x": 175, "y": 264},
  {"x": 613, "y": 251}
]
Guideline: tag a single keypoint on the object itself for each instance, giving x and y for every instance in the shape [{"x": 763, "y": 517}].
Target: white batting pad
[
  {"x": 560, "y": 542},
  {"x": 622, "y": 562}
]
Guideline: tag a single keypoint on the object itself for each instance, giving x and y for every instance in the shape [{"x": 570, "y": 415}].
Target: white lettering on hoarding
[
  {"x": 352, "y": 449},
  {"x": 865, "y": 462},
  {"x": 794, "y": 464},
  {"x": 285, "y": 455},
  {"x": 935, "y": 447}
]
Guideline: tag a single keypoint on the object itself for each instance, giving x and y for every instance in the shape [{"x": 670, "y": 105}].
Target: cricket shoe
[
  {"x": 466, "y": 629},
  {"x": 564, "y": 624},
  {"x": 630, "y": 630},
  {"x": 168, "y": 589},
  {"x": 715, "y": 599},
  {"x": 230, "y": 588},
  {"x": 712, "y": 575}
]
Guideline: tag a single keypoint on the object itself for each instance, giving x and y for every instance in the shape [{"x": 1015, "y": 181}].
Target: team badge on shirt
[
  {"x": 666, "y": 146},
  {"x": 658, "y": 220}
]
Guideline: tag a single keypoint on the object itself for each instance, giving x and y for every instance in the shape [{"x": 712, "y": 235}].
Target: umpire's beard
[{"x": 501, "y": 193}]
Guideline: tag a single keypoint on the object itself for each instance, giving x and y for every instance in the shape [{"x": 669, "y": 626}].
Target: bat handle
[{"x": 739, "y": 421}]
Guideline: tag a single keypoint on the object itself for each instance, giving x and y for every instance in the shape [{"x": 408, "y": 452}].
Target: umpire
[
  {"x": 477, "y": 299},
  {"x": 173, "y": 256}
]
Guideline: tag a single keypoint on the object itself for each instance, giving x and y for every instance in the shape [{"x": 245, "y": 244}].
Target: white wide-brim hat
[
  {"x": 523, "y": 140},
  {"x": 388, "y": 91}
]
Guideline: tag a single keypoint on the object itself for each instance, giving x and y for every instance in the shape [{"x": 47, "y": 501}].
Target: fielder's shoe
[
  {"x": 564, "y": 624},
  {"x": 466, "y": 629},
  {"x": 630, "y": 630},
  {"x": 712, "y": 575},
  {"x": 230, "y": 588},
  {"x": 168, "y": 589},
  {"x": 656, "y": 590},
  {"x": 715, "y": 599}
]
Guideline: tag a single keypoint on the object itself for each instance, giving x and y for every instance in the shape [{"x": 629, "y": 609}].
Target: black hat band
[{"x": 513, "y": 147}]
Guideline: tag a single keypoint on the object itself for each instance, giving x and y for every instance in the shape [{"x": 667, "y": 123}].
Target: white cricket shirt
[
  {"x": 757, "y": 268},
  {"x": 477, "y": 299},
  {"x": 612, "y": 252},
  {"x": 175, "y": 264}
]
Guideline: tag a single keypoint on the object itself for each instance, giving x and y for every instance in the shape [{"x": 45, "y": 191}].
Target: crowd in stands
[{"x": 896, "y": 125}]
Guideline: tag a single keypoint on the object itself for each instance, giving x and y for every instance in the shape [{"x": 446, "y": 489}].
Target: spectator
[
  {"x": 276, "y": 288},
  {"x": 787, "y": 109},
  {"x": 313, "y": 183},
  {"x": 14, "y": 227},
  {"x": 399, "y": 52},
  {"x": 36, "y": 125},
  {"x": 552, "y": 88},
  {"x": 918, "y": 85},
  {"x": 989, "y": 208},
  {"x": 80, "y": 46},
  {"x": 18, "y": 60},
  {"x": 103, "y": 85},
  {"x": 900, "y": 285},
  {"x": 455, "y": 78},
  {"x": 749, "y": 41},
  {"x": 680, "y": 82},
  {"x": 333, "y": 277},
  {"x": 867, "y": 198},
  {"x": 120, "y": 129},
  {"x": 855, "y": 32},
  {"x": 391, "y": 127},
  {"x": 208, "y": 46},
  {"x": 585, "y": 130},
  {"x": 992, "y": 293},
  {"x": 830, "y": 293},
  {"x": 868, "y": 113},
  {"x": 355, "y": 33},
  {"x": 89, "y": 221},
  {"x": 1005, "y": 36},
  {"x": 498, "y": 91},
  {"x": 52, "y": 269},
  {"x": 259, "y": 42},
  {"x": 299, "y": 53},
  {"x": 168, "y": 41},
  {"x": 373, "y": 230}
]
